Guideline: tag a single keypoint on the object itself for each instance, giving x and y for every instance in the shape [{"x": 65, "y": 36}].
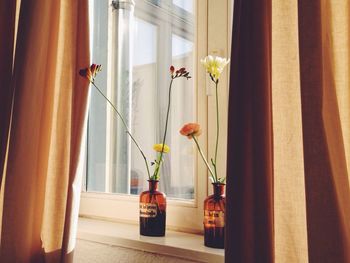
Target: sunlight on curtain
[
  {"x": 294, "y": 237},
  {"x": 340, "y": 37},
  {"x": 42, "y": 187},
  {"x": 290, "y": 210}
]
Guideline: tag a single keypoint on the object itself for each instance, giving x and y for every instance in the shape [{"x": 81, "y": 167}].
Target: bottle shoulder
[
  {"x": 154, "y": 193},
  {"x": 215, "y": 199}
]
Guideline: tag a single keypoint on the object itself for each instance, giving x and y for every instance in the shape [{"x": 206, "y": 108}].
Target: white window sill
[{"x": 176, "y": 244}]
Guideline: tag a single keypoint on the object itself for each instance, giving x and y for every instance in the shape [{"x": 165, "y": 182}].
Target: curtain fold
[
  {"x": 42, "y": 187},
  {"x": 7, "y": 17},
  {"x": 249, "y": 230},
  {"x": 289, "y": 181},
  {"x": 326, "y": 175},
  {"x": 310, "y": 94}
]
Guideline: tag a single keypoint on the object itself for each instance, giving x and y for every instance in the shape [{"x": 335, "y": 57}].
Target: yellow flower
[
  {"x": 214, "y": 65},
  {"x": 158, "y": 148}
]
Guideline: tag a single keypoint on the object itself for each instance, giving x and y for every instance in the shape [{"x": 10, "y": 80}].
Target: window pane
[
  {"x": 96, "y": 140},
  {"x": 160, "y": 38},
  {"x": 145, "y": 43},
  {"x": 182, "y": 161},
  {"x": 184, "y": 4},
  {"x": 144, "y": 99}
]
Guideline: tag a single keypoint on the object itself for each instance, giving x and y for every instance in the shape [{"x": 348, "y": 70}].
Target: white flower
[{"x": 214, "y": 65}]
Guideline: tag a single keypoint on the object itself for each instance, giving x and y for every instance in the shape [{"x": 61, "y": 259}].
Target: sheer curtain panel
[{"x": 43, "y": 46}]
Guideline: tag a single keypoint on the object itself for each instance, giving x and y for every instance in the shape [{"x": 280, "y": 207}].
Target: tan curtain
[
  {"x": 7, "y": 17},
  {"x": 310, "y": 118},
  {"x": 249, "y": 210},
  {"x": 42, "y": 178}
]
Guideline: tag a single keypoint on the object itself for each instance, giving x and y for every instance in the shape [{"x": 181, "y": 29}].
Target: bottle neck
[
  {"x": 218, "y": 189},
  {"x": 153, "y": 185}
]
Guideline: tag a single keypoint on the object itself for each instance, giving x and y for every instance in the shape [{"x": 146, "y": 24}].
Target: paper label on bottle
[
  {"x": 214, "y": 218},
  {"x": 148, "y": 210}
]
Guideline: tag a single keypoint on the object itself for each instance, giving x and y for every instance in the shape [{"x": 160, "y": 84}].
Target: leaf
[{"x": 222, "y": 180}]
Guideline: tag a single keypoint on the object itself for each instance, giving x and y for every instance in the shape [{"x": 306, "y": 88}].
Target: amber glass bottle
[
  {"x": 152, "y": 211},
  {"x": 214, "y": 217}
]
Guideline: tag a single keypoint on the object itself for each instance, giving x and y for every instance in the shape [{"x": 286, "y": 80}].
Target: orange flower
[
  {"x": 191, "y": 129},
  {"x": 90, "y": 72}
]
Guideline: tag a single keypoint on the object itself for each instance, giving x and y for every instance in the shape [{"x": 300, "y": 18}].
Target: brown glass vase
[
  {"x": 214, "y": 217},
  {"x": 152, "y": 211}
]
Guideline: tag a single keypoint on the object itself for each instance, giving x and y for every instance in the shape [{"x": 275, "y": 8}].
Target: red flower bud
[{"x": 90, "y": 72}]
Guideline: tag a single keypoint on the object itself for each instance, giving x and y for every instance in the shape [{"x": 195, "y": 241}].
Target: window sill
[{"x": 176, "y": 244}]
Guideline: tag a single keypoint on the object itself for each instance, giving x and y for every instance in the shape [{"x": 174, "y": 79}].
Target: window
[{"x": 136, "y": 46}]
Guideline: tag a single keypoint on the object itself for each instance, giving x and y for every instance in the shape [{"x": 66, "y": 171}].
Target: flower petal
[
  {"x": 158, "y": 148},
  {"x": 191, "y": 129},
  {"x": 214, "y": 65}
]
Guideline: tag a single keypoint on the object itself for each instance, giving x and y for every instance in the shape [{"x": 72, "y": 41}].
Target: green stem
[
  {"x": 126, "y": 128},
  {"x": 143, "y": 155},
  {"x": 165, "y": 131},
  {"x": 217, "y": 128},
  {"x": 156, "y": 170},
  {"x": 204, "y": 159}
]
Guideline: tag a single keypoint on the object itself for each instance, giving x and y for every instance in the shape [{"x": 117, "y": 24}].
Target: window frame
[{"x": 184, "y": 215}]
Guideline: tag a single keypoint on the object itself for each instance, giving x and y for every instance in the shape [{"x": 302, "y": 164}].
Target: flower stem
[
  {"x": 204, "y": 159},
  {"x": 217, "y": 128},
  {"x": 165, "y": 132},
  {"x": 142, "y": 153},
  {"x": 126, "y": 128}
]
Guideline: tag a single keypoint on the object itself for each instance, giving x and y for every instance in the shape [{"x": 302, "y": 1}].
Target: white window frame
[{"x": 212, "y": 37}]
